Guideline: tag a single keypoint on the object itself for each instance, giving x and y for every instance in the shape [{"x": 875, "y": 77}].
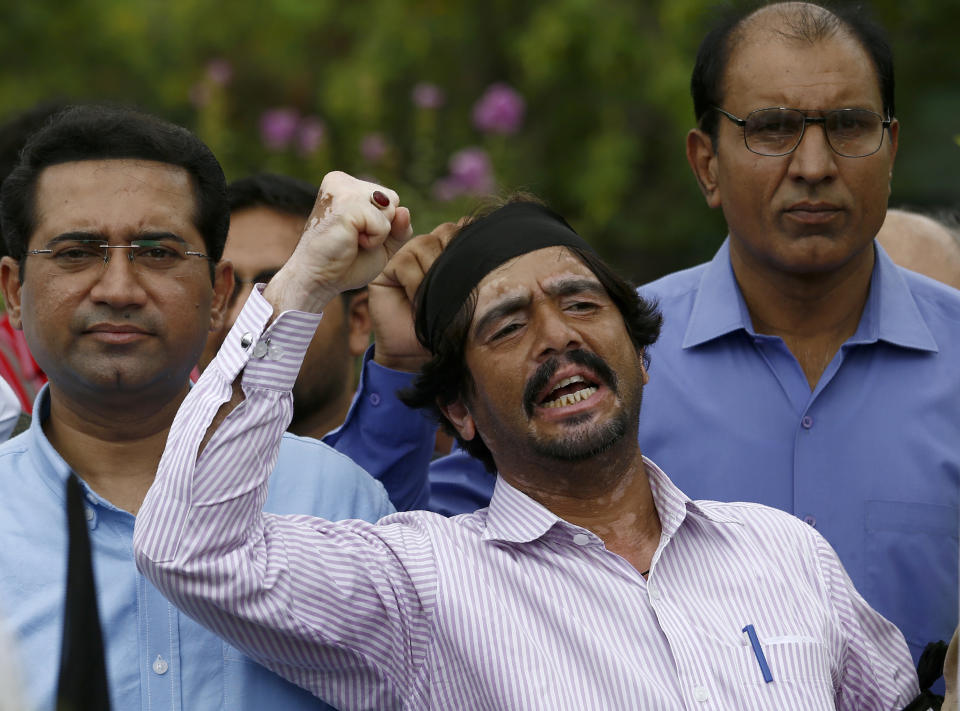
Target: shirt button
[
  {"x": 700, "y": 693},
  {"x": 374, "y": 399},
  {"x": 810, "y": 520},
  {"x": 262, "y": 348},
  {"x": 245, "y": 340},
  {"x": 807, "y": 422},
  {"x": 88, "y": 512},
  {"x": 654, "y": 592},
  {"x": 581, "y": 539},
  {"x": 160, "y": 665}
]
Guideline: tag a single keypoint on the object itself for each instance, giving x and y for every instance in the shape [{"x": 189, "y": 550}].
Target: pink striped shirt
[{"x": 510, "y": 607}]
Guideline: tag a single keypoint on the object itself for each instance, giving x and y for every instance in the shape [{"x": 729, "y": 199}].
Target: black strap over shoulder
[{"x": 929, "y": 669}]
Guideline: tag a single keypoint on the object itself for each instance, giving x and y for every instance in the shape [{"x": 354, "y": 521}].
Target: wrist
[{"x": 286, "y": 292}]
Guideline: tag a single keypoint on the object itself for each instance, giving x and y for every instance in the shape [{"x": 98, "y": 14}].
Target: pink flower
[
  {"x": 219, "y": 71},
  {"x": 471, "y": 173},
  {"x": 499, "y": 110},
  {"x": 427, "y": 96},
  {"x": 472, "y": 170},
  {"x": 311, "y": 134},
  {"x": 373, "y": 147},
  {"x": 278, "y": 127}
]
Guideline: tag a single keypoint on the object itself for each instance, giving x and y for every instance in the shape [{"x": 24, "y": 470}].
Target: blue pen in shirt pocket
[{"x": 758, "y": 652}]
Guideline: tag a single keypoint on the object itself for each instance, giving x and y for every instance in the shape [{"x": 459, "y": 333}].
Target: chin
[{"x": 584, "y": 444}]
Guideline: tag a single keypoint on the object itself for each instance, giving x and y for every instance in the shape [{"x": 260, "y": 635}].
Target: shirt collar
[
  {"x": 719, "y": 307},
  {"x": 514, "y": 517},
  {"x": 51, "y": 467},
  {"x": 890, "y": 314},
  {"x": 674, "y": 506}
]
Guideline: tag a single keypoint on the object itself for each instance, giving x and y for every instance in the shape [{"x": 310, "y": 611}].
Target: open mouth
[{"x": 568, "y": 392}]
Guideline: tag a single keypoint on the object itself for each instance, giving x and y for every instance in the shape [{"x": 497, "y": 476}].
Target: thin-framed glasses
[
  {"x": 851, "y": 133},
  {"x": 82, "y": 255}
]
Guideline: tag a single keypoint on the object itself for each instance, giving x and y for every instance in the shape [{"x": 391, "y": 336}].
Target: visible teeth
[
  {"x": 571, "y": 398},
  {"x": 569, "y": 381}
]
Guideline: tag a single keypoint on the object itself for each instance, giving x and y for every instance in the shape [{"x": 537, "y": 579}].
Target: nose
[
  {"x": 117, "y": 283},
  {"x": 554, "y": 332},
  {"x": 813, "y": 160}
]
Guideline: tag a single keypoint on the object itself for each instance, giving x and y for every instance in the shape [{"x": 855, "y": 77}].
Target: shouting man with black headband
[{"x": 590, "y": 582}]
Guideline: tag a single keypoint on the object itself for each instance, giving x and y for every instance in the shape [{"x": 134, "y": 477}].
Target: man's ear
[
  {"x": 460, "y": 418},
  {"x": 703, "y": 162},
  {"x": 10, "y": 283},
  {"x": 222, "y": 289},
  {"x": 359, "y": 323}
]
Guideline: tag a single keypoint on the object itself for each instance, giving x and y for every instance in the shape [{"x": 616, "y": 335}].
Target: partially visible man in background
[
  {"x": 923, "y": 243},
  {"x": 17, "y": 365},
  {"x": 267, "y": 216}
]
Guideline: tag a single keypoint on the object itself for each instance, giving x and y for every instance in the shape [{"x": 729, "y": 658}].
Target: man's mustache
[{"x": 538, "y": 381}]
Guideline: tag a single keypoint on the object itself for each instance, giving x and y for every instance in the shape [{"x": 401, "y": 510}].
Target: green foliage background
[{"x": 605, "y": 83}]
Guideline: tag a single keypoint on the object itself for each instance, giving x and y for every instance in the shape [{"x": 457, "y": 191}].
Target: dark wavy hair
[
  {"x": 445, "y": 378},
  {"x": 810, "y": 23},
  {"x": 97, "y": 132}
]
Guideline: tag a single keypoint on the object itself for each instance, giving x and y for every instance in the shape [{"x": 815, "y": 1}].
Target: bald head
[
  {"x": 803, "y": 23},
  {"x": 923, "y": 245}
]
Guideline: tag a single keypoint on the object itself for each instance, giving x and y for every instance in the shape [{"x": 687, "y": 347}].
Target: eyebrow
[
  {"x": 507, "y": 306},
  {"x": 82, "y": 236},
  {"x": 567, "y": 286}
]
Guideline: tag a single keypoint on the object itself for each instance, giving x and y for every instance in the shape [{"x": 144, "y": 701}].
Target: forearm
[
  {"x": 202, "y": 539},
  {"x": 197, "y": 533}
]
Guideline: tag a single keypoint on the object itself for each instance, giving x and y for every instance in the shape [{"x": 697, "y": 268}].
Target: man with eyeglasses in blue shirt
[
  {"x": 821, "y": 378},
  {"x": 115, "y": 222}
]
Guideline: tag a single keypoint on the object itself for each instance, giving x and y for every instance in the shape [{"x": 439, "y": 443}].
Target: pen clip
[{"x": 758, "y": 652}]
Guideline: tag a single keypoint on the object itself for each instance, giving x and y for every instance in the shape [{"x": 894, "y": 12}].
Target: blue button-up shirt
[
  {"x": 870, "y": 457},
  {"x": 157, "y": 657}
]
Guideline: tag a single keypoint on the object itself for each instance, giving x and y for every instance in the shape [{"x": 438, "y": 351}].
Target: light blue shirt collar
[{"x": 890, "y": 314}]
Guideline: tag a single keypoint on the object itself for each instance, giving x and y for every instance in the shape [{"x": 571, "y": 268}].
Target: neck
[
  {"x": 609, "y": 495},
  {"x": 814, "y": 314},
  {"x": 115, "y": 447},
  {"x": 317, "y": 422}
]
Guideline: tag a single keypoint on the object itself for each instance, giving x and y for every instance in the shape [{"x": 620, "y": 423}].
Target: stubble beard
[{"x": 586, "y": 442}]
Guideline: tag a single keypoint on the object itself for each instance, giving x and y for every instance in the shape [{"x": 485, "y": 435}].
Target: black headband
[{"x": 478, "y": 249}]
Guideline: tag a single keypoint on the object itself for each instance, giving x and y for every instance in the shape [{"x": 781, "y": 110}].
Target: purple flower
[
  {"x": 427, "y": 96},
  {"x": 311, "y": 134},
  {"x": 278, "y": 127},
  {"x": 373, "y": 147},
  {"x": 499, "y": 110},
  {"x": 472, "y": 170},
  {"x": 219, "y": 71}
]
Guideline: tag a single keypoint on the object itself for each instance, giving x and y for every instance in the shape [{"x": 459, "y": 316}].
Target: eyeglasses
[
  {"x": 76, "y": 256},
  {"x": 851, "y": 133}
]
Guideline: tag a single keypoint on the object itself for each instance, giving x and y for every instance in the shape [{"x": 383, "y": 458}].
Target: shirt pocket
[
  {"x": 800, "y": 666},
  {"x": 918, "y": 542},
  {"x": 250, "y": 686}
]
